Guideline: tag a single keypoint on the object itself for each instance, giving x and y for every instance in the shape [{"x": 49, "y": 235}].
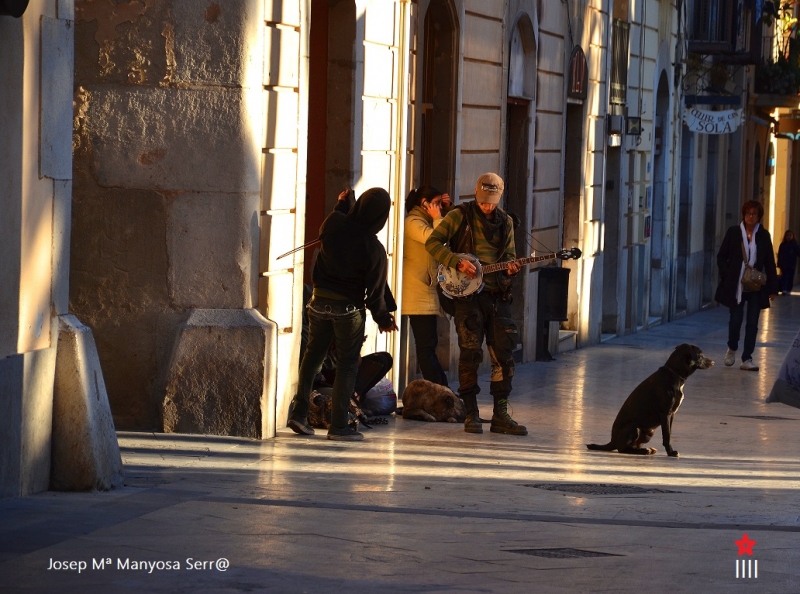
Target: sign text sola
[{"x": 712, "y": 122}]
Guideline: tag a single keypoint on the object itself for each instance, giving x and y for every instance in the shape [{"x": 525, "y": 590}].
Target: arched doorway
[
  {"x": 520, "y": 110},
  {"x": 577, "y": 93},
  {"x": 438, "y": 109},
  {"x": 435, "y": 146}
]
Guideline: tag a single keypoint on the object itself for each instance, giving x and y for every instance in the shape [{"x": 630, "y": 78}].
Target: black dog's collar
[{"x": 672, "y": 371}]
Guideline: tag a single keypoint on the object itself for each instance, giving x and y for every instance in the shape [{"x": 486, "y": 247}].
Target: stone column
[{"x": 167, "y": 187}]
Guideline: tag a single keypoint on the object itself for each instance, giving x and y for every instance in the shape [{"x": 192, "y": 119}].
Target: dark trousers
[
  {"x": 329, "y": 319},
  {"x": 787, "y": 279},
  {"x": 485, "y": 317},
  {"x": 750, "y": 300},
  {"x": 426, "y": 338}
]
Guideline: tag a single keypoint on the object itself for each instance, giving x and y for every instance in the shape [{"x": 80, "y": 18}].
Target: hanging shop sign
[{"x": 712, "y": 122}]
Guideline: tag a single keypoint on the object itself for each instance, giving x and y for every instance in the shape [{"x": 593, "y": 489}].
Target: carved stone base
[{"x": 221, "y": 379}]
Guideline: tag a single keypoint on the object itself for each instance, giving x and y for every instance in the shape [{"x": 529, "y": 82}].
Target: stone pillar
[
  {"x": 35, "y": 171},
  {"x": 169, "y": 136}
]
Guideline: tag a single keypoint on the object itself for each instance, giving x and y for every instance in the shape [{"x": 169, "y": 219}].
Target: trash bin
[{"x": 551, "y": 306}]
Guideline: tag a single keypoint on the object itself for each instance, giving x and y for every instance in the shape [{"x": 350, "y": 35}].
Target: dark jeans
[
  {"x": 787, "y": 279},
  {"x": 750, "y": 327},
  {"x": 330, "y": 319},
  {"x": 485, "y": 317},
  {"x": 426, "y": 338}
]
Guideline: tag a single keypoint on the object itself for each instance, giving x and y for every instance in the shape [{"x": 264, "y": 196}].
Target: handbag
[{"x": 752, "y": 279}]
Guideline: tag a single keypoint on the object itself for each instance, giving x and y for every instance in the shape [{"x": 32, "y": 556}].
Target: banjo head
[{"x": 455, "y": 283}]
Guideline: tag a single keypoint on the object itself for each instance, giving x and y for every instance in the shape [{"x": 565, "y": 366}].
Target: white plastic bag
[{"x": 380, "y": 400}]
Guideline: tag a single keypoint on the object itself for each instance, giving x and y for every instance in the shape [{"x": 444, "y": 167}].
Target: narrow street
[{"x": 420, "y": 507}]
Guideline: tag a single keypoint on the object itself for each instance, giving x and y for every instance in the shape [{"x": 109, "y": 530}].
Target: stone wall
[{"x": 168, "y": 136}]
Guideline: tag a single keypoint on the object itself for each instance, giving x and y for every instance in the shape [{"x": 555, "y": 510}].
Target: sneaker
[
  {"x": 730, "y": 357},
  {"x": 300, "y": 426},
  {"x": 345, "y": 434},
  {"x": 748, "y": 365}
]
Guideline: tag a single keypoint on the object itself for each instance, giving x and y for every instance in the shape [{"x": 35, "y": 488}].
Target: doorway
[
  {"x": 438, "y": 113},
  {"x": 684, "y": 211},
  {"x": 516, "y": 201},
  {"x": 758, "y": 176},
  {"x": 332, "y": 68},
  {"x": 710, "y": 221},
  {"x": 659, "y": 261},
  {"x": 611, "y": 248},
  {"x": 573, "y": 190},
  {"x": 436, "y": 164},
  {"x": 518, "y": 195}
]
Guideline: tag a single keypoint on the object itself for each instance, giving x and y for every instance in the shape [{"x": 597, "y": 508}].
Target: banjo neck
[{"x": 489, "y": 268}]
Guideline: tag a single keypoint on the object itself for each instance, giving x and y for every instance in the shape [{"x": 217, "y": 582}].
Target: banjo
[{"x": 455, "y": 283}]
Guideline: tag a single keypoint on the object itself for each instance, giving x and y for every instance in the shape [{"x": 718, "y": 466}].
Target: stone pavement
[{"x": 423, "y": 507}]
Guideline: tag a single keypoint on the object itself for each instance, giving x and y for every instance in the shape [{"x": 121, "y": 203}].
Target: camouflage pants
[{"x": 485, "y": 317}]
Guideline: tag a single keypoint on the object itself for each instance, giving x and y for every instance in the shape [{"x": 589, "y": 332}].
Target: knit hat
[{"x": 489, "y": 188}]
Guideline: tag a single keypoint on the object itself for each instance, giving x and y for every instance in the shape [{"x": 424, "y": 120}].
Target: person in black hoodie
[
  {"x": 747, "y": 240},
  {"x": 349, "y": 275}
]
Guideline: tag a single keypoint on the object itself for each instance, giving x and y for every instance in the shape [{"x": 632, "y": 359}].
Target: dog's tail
[{"x": 605, "y": 448}]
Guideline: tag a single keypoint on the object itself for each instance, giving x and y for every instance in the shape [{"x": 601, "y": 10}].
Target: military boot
[
  {"x": 472, "y": 422},
  {"x": 502, "y": 421}
]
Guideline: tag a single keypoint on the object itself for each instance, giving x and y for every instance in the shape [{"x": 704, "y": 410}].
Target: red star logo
[{"x": 745, "y": 545}]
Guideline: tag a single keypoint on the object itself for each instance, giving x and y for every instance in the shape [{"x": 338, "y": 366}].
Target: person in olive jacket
[{"x": 751, "y": 239}]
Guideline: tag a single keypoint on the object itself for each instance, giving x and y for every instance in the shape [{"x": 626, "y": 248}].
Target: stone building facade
[{"x": 211, "y": 137}]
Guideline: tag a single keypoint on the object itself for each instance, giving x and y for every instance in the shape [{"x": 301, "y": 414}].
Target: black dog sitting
[{"x": 653, "y": 403}]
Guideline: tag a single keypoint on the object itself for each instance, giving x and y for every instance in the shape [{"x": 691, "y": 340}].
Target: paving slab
[{"x": 425, "y": 507}]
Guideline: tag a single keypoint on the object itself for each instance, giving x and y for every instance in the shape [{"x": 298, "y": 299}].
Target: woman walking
[{"x": 745, "y": 244}]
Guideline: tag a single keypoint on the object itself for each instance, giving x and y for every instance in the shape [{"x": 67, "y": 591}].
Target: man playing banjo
[{"x": 482, "y": 229}]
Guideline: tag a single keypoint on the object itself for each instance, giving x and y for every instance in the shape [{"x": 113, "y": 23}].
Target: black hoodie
[{"x": 352, "y": 262}]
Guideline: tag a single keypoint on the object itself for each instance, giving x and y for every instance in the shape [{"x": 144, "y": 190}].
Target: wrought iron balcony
[{"x": 778, "y": 73}]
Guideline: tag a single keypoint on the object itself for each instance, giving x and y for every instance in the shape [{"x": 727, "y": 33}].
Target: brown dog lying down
[
  {"x": 653, "y": 403},
  {"x": 426, "y": 401}
]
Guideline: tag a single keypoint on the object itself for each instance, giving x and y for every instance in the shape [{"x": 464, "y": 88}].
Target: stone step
[{"x": 567, "y": 340}]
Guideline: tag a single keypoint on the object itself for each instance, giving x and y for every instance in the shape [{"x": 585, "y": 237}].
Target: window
[
  {"x": 711, "y": 28},
  {"x": 729, "y": 28},
  {"x": 620, "y": 34}
]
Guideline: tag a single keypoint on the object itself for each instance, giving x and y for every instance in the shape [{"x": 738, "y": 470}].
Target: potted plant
[{"x": 780, "y": 74}]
